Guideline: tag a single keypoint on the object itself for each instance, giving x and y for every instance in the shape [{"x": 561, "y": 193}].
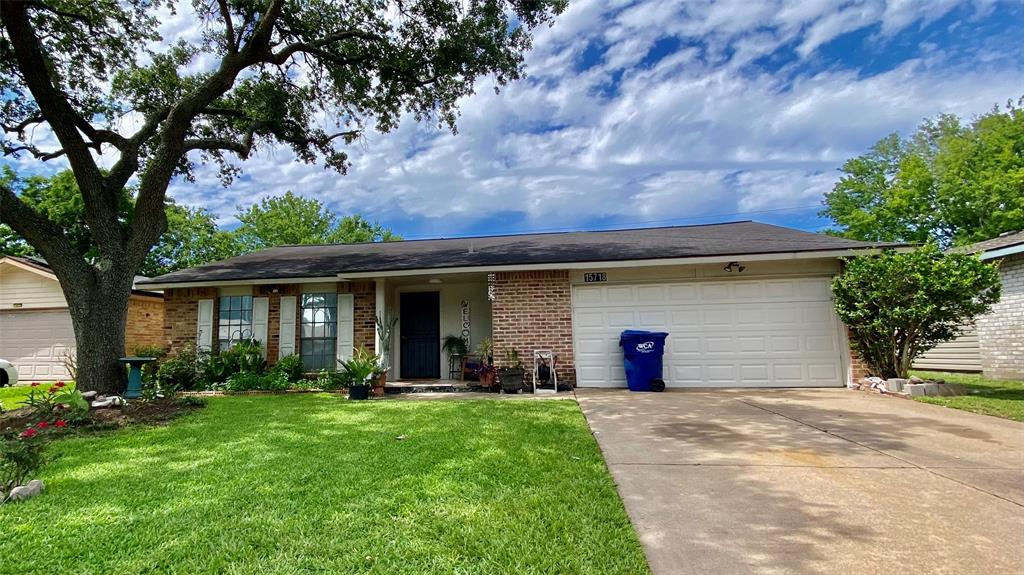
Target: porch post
[{"x": 380, "y": 311}]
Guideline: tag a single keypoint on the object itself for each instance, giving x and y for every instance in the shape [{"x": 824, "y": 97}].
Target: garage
[
  {"x": 725, "y": 333},
  {"x": 36, "y": 342}
]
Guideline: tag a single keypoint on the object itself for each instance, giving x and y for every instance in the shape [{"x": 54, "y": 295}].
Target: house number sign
[
  {"x": 592, "y": 277},
  {"x": 465, "y": 320}
]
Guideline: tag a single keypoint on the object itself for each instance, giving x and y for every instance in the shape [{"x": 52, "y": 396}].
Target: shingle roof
[
  {"x": 42, "y": 265},
  {"x": 308, "y": 261},
  {"x": 999, "y": 242}
]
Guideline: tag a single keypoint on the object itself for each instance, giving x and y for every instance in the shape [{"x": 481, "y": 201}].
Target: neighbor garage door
[
  {"x": 36, "y": 343},
  {"x": 749, "y": 333}
]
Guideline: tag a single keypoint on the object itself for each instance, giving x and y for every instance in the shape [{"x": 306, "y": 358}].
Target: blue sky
[{"x": 663, "y": 113}]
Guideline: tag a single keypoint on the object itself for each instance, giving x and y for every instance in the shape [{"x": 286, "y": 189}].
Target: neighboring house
[
  {"x": 746, "y": 304},
  {"x": 994, "y": 345},
  {"x": 35, "y": 327}
]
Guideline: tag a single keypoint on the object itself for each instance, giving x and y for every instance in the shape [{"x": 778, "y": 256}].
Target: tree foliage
[
  {"x": 307, "y": 74},
  {"x": 899, "y": 305},
  {"x": 291, "y": 219},
  {"x": 192, "y": 237},
  {"x": 949, "y": 183}
]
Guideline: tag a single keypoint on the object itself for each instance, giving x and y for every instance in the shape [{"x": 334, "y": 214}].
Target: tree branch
[
  {"x": 281, "y": 56},
  {"x": 100, "y": 208},
  {"x": 229, "y": 26}
]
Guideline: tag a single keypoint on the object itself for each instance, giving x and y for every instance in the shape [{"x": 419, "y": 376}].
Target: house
[
  {"x": 35, "y": 327},
  {"x": 746, "y": 304},
  {"x": 994, "y": 345}
]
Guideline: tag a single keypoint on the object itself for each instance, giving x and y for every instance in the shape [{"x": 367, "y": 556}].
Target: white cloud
[{"x": 703, "y": 131}]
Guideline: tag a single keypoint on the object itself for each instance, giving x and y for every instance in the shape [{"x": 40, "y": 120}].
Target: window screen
[
  {"x": 234, "y": 320},
  {"x": 318, "y": 329}
]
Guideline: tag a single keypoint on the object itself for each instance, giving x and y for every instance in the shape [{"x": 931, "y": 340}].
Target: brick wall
[
  {"x": 181, "y": 314},
  {"x": 365, "y": 307},
  {"x": 858, "y": 369},
  {"x": 145, "y": 324},
  {"x": 274, "y": 314},
  {"x": 1001, "y": 332},
  {"x": 533, "y": 310},
  {"x": 181, "y": 309}
]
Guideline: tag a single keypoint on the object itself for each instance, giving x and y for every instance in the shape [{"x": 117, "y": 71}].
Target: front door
[{"x": 420, "y": 317}]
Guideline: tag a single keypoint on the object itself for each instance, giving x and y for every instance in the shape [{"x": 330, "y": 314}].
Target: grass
[
  {"x": 318, "y": 484},
  {"x": 1001, "y": 398},
  {"x": 11, "y": 397}
]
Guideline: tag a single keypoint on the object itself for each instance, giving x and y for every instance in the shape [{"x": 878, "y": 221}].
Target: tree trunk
[{"x": 99, "y": 313}]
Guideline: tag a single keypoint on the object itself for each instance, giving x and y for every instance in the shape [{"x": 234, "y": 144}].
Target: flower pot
[
  {"x": 379, "y": 383},
  {"x": 511, "y": 380},
  {"x": 359, "y": 392},
  {"x": 487, "y": 379}
]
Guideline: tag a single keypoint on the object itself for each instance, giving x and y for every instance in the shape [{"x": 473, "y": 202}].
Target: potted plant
[
  {"x": 454, "y": 345},
  {"x": 485, "y": 349},
  {"x": 360, "y": 370},
  {"x": 511, "y": 373},
  {"x": 486, "y": 375}
]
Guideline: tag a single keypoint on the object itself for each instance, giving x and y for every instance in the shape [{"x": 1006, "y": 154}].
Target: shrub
[
  {"x": 899, "y": 305},
  {"x": 216, "y": 368},
  {"x": 180, "y": 371},
  {"x": 60, "y": 401},
  {"x": 22, "y": 455},
  {"x": 247, "y": 381},
  {"x": 291, "y": 367},
  {"x": 333, "y": 380},
  {"x": 149, "y": 370}
]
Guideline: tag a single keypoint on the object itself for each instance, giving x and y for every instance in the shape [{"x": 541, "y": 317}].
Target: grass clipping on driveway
[{"x": 318, "y": 484}]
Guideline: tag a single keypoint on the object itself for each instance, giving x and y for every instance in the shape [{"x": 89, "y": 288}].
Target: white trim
[
  {"x": 260, "y": 321},
  {"x": 286, "y": 328},
  {"x": 483, "y": 269},
  {"x": 346, "y": 319},
  {"x": 1007, "y": 251},
  {"x": 28, "y": 268},
  {"x": 621, "y": 263},
  {"x": 221, "y": 283},
  {"x": 379, "y": 314},
  {"x": 204, "y": 325}
]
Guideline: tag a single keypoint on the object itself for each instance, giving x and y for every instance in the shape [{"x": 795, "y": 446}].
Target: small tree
[{"x": 899, "y": 305}]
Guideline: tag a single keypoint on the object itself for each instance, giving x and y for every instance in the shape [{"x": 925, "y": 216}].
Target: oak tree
[{"x": 307, "y": 74}]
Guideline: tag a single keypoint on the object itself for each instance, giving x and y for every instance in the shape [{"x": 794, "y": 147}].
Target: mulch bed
[{"x": 159, "y": 412}]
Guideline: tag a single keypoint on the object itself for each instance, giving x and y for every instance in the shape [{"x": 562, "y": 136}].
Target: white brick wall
[{"x": 1001, "y": 332}]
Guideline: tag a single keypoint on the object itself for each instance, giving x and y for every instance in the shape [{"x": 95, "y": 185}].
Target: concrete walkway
[{"x": 813, "y": 481}]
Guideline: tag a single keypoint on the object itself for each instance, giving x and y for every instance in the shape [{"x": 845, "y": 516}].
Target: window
[
  {"x": 318, "y": 329},
  {"x": 234, "y": 320}
]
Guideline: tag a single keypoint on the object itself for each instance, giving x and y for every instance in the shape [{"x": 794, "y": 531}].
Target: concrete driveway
[{"x": 813, "y": 481}]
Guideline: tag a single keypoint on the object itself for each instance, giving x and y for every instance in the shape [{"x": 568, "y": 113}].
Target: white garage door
[
  {"x": 36, "y": 343},
  {"x": 756, "y": 333}
]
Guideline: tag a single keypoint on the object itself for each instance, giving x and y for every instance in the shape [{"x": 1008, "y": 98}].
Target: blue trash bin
[{"x": 642, "y": 353}]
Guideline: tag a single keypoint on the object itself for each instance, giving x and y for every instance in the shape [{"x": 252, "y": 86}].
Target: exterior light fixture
[
  {"x": 433, "y": 281},
  {"x": 734, "y": 266}
]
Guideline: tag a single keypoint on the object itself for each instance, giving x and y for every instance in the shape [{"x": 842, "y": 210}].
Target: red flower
[
  {"x": 59, "y": 384},
  {"x": 42, "y": 425},
  {"x": 29, "y": 433},
  {"x": 60, "y": 423},
  {"x": 35, "y": 384}
]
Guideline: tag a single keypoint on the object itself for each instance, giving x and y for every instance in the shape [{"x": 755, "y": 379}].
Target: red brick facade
[
  {"x": 273, "y": 293},
  {"x": 533, "y": 310},
  {"x": 365, "y": 308},
  {"x": 181, "y": 313},
  {"x": 145, "y": 324}
]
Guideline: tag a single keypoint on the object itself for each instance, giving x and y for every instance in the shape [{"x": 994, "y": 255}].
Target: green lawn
[
  {"x": 1000, "y": 398},
  {"x": 11, "y": 397},
  {"x": 318, "y": 484}
]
